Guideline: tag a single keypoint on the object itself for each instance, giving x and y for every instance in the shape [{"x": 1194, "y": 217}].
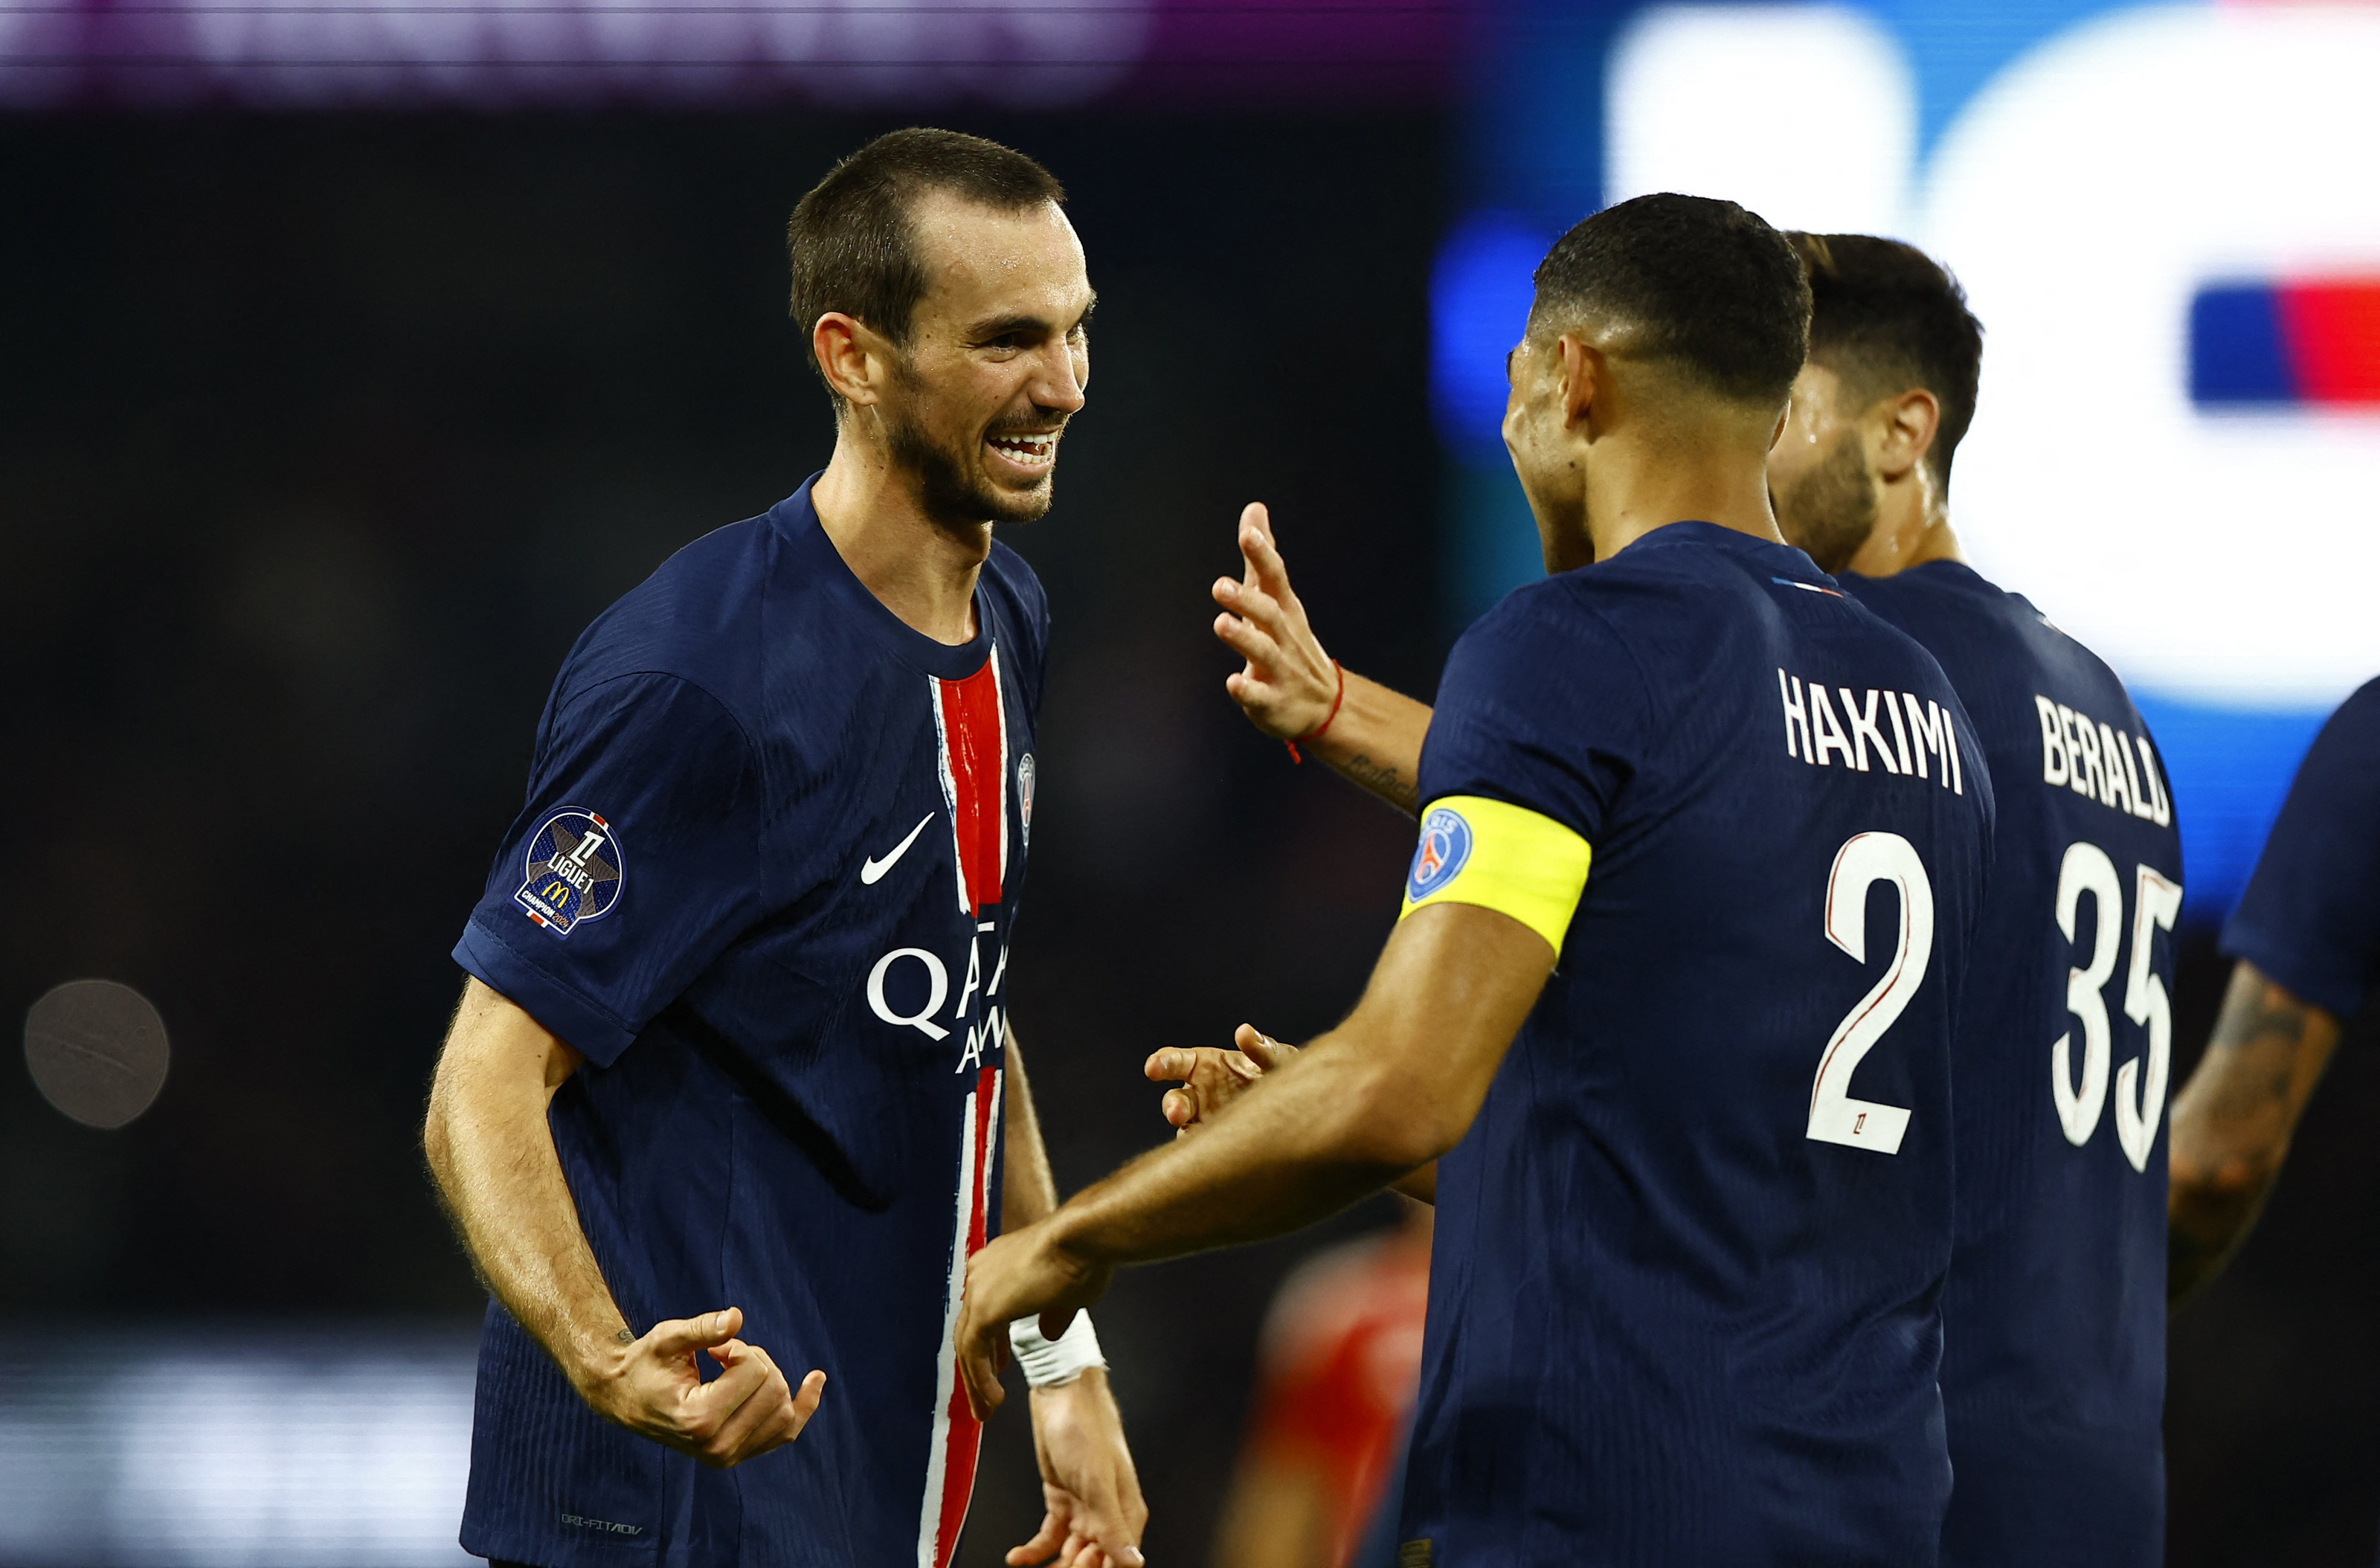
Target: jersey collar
[
  {"x": 797, "y": 522},
  {"x": 1781, "y": 559}
]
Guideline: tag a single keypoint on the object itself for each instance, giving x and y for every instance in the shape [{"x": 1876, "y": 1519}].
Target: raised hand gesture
[{"x": 1288, "y": 683}]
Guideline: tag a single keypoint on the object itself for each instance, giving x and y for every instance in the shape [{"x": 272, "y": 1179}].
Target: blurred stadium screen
[
  {"x": 711, "y": 53},
  {"x": 263, "y": 1448},
  {"x": 2179, "y": 436}
]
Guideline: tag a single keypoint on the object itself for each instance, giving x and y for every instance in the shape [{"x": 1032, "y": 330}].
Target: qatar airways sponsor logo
[
  {"x": 1870, "y": 732},
  {"x": 900, "y": 975}
]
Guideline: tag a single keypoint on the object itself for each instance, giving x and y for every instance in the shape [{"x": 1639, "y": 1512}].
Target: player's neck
[
  {"x": 1912, "y": 528},
  {"x": 921, "y": 570},
  {"x": 1650, "y": 489}
]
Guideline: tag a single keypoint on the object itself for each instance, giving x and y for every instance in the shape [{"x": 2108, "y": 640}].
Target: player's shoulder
[
  {"x": 1996, "y": 646},
  {"x": 696, "y": 618},
  {"x": 2356, "y": 721},
  {"x": 1015, "y": 592},
  {"x": 1690, "y": 597},
  {"x": 2341, "y": 769}
]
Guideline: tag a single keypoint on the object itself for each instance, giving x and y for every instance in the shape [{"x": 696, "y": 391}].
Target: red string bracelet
[{"x": 1315, "y": 732}]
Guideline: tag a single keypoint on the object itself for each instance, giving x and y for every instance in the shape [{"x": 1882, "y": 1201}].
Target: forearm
[
  {"x": 1384, "y": 1094},
  {"x": 492, "y": 1153},
  {"x": 1374, "y": 742},
  {"x": 1028, "y": 1191},
  {"x": 1302, "y": 1144},
  {"x": 2233, "y": 1122}
]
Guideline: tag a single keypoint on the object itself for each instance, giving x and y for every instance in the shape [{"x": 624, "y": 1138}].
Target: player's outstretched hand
[
  {"x": 1212, "y": 1079},
  {"x": 1092, "y": 1493},
  {"x": 1019, "y": 1276},
  {"x": 1289, "y": 683},
  {"x": 654, "y": 1388}
]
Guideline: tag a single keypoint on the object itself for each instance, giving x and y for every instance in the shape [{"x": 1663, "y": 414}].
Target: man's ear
[
  {"x": 1586, "y": 376},
  {"x": 852, "y": 357},
  {"x": 1905, "y": 431}
]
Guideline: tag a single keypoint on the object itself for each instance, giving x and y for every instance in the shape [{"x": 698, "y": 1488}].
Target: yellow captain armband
[{"x": 1499, "y": 856}]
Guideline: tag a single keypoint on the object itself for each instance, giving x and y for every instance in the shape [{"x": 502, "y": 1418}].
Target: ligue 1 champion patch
[
  {"x": 571, "y": 870},
  {"x": 1445, "y": 846}
]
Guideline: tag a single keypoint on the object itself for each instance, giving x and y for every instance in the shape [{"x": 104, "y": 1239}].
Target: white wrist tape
[{"x": 1048, "y": 1363}]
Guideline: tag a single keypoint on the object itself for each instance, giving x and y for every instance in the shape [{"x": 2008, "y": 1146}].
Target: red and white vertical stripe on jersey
[
  {"x": 972, "y": 728},
  {"x": 950, "y": 1468}
]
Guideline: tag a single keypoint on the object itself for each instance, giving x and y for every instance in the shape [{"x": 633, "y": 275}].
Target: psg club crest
[
  {"x": 1445, "y": 845},
  {"x": 571, "y": 870},
  {"x": 1024, "y": 795}
]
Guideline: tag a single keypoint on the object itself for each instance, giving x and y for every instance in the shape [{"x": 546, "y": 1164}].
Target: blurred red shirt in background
[{"x": 1340, "y": 1358}]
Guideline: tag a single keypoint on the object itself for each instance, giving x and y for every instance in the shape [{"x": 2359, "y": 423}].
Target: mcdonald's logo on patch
[{"x": 572, "y": 870}]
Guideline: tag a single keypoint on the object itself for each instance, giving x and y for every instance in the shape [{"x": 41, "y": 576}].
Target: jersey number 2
[
  {"x": 2139, "y": 1105},
  {"x": 1864, "y": 860}
]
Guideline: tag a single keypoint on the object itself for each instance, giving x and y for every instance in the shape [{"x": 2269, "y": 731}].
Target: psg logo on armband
[
  {"x": 1445, "y": 845},
  {"x": 571, "y": 870}
]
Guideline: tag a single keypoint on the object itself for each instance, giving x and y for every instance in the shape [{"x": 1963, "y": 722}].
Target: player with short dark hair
[
  {"x": 733, "y": 1068},
  {"x": 2053, "y": 1323},
  {"x": 1887, "y": 321},
  {"x": 1695, "y": 1197},
  {"x": 2053, "y": 1362},
  {"x": 2306, "y": 942}
]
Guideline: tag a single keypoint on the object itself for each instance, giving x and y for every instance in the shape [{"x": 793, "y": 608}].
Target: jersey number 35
[{"x": 2140, "y": 1096}]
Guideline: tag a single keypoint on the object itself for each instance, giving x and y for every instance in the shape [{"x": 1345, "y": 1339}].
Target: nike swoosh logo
[{"x": 872, "y": 870}]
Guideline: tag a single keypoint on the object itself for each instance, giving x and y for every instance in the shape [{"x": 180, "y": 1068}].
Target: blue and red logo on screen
[
  {"x": 2312, "y": 343},
  {"x": 571, "y": 872},
  {"x": 1445, "y": 846}
]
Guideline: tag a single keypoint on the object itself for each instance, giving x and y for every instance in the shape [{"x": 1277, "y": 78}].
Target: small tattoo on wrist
[{"x": 625, "y": 1336}]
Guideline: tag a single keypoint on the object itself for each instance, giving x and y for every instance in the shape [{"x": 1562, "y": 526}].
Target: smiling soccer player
[
  {"x": 733, "y": 1069},
  {"x": 1702, "y": 847}
]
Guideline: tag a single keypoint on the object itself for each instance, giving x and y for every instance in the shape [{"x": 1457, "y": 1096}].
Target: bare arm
[
  {"x": 1391, "y": 1089},
  {"x": 1091, "y": 1489},
  {"x": 491, "y": 1154},
  {"x": 2233, "y": 1121},
  {"x": 1029, "y": 1192},
  {"x": 1212, "y": 1079},
  {"x": 1290, "y": 684}
]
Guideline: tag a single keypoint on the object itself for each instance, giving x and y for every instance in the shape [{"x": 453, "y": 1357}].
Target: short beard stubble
[
  {"x": 1830, "y": 512},
  {"x": 956, "y": 497}
]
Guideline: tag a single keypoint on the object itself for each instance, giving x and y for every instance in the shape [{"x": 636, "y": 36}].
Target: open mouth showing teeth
[{"x": 1030, "y": 450}]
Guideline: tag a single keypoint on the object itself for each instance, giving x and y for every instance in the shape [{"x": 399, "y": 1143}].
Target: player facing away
[
  {"x": 2053, "y": 1360},
  {"x": 732, "y": 1080},
  {"x": 2053, "y": 1321},
  {"x": 2306, "y": 938},
  {"x": 1670, "y": 993}
]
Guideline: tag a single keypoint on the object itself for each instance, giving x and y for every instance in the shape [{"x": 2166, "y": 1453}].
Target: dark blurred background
[
  {"x": 322, "y": 435},
  {"x": 324, "y": 439}
]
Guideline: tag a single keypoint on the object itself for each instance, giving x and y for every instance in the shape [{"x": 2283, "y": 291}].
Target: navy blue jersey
[
  {"x": 1684, "y": 1295},
  {"x": 765, "y": 880},
  {"x": 2053, "y": 1323},
  {"x": 2310, "y": 916}
]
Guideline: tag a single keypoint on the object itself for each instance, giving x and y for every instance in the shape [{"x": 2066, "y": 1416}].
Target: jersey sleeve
[
  {"x": 632, "y": 865},
  {"x": 1540, "y": 719},
  {"x": 2310, "y": 916}
]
